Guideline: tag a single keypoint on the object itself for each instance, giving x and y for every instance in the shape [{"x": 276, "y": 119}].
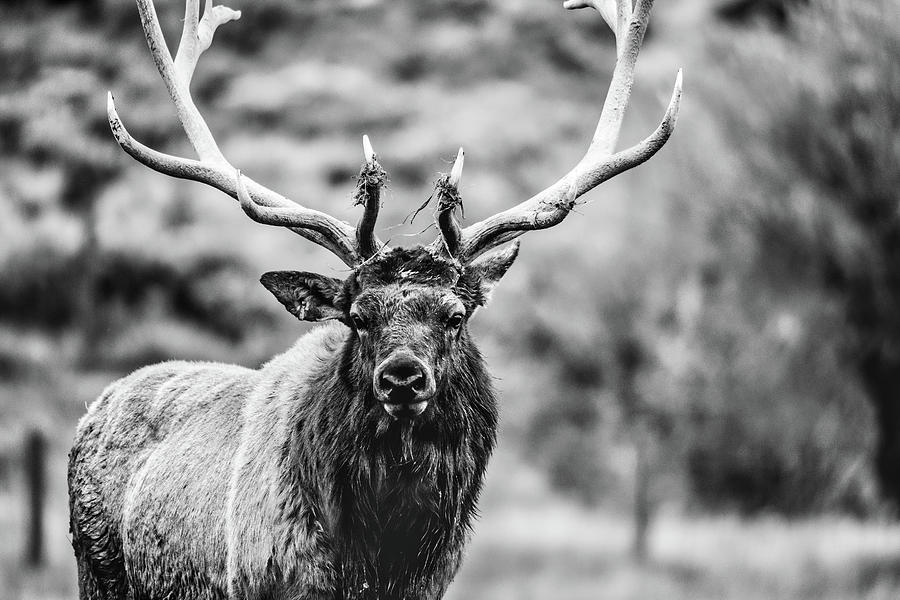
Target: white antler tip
[
  {"x": 219, "y": 14},
  {"x": 222, "y": 14},
  {"x": 115, "y": 124},
  {"x": 456, "y": 172},
  {"x": 368, "y": 151},
  {"x": 614, "y": 12},
  {"x": 675, "y": 102}
]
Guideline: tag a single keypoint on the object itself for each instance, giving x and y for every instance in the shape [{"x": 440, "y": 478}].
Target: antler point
[
  {"x": 674, "y": 103},
  {"x": 368, "y": 151},
  {"x": 456, "y": 172}
]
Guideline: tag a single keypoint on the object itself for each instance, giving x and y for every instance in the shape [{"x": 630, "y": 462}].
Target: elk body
[{"x": 349, "y": 466}]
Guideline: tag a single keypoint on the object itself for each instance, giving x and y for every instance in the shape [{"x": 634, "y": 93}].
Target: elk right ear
[{"x": 307, "y": 296}]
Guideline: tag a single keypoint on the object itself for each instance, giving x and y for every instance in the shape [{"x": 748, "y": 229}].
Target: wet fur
[{"x": 208, "y": 481}]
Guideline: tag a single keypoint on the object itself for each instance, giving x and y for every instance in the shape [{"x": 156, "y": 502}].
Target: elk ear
[
  {"x": 490, "y": 268},
  {"x": 307, "y": 296}
]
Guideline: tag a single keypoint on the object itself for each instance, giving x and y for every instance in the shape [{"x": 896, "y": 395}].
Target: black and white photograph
[{"x": 449, "y": 299}]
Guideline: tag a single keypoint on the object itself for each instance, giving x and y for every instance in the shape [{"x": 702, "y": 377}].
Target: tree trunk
[
  {"x": 90, "y": 321},
  {"x": 34, "y": 462},
  {"x": 881, "y": 376},
  {"x": 642, "y": 502}
]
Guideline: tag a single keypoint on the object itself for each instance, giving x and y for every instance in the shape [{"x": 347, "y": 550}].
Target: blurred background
[{"x": 699, "y": 370}]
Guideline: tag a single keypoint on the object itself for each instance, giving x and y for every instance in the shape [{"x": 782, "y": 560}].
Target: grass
[
  {"x": 567, "y": 553},
  {"x": 530, "y": 543}
]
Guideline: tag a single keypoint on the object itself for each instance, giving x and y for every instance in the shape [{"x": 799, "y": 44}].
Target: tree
[
  {"x": 59, "y": 159},
  {"x": 811, "y": 119}
]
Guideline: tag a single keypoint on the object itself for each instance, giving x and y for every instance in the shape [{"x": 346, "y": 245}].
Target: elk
[{"x": 348, "y": 467}]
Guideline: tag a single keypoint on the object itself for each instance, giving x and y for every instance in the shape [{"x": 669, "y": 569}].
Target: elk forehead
[
  {"x": 416, "y": 301},
  {"x": 413, "y": 282},
  {"x": 409, "y": 266}
]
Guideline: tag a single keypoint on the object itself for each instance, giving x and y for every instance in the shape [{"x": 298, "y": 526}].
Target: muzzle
[{"x": 404, "y": 385}]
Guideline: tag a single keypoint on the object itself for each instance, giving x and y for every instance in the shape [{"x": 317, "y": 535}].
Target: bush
[
  {"x": 806, "y": 238},
  {"x": 44, "y": 288}
]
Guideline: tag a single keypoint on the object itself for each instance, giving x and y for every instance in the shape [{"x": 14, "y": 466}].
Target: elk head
[
  {"x": 408, "y": 311},
  {"x": 407, "y": 308}
]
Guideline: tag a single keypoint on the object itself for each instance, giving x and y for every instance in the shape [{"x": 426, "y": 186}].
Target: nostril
[
  {"x": 385, "y": 382},
  {"x": 403, "y": 380},
  {"x": 404, "y": 374},
  {"x": 419, "y": 383}
]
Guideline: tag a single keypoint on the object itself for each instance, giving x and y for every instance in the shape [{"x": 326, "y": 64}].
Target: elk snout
[{"x": 404, "y": 385}]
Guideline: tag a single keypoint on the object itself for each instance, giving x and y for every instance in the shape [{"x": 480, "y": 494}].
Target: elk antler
[
  {"x": 550, "y": 206},
  {"x": 368, "y": 194},
  {"x": 447, "y": 191},
  {"x": 262, "y": 204}
]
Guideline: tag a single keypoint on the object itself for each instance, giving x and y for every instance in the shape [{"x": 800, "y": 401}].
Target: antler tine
[
  {"x": 319, "y": 228},
  {"x": 177, "y": 74},
  {"x": 550, "y": 206},
  {"x": 449, "y": 201},
  {"x": 628, "y": 44},
  {"x": 368, "y": 194},
  {"x": 264, "y": 205},
  {"x": 616, "y": 13},
  {"x": 456, "y": 171},
  {"x": 197, "y": 35}
]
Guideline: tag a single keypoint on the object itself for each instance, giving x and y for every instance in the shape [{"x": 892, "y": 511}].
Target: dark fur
[{"x": 291, "y": 481}]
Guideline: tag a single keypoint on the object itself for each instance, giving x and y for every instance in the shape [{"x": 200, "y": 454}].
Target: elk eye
[
  {"x": 357, "y": 320},
  {"x": 455, "y": 321}
]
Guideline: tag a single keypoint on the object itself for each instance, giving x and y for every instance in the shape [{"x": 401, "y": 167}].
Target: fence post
[{"x": 35, "y": 466}]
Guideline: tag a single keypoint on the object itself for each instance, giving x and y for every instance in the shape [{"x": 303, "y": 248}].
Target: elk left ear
[
  {"x": 490, "y": 268},
  {"x": 307, "y": 296}
]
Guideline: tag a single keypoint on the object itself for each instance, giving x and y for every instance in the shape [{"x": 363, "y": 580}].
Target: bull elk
[{"x": 348, "y": 467}]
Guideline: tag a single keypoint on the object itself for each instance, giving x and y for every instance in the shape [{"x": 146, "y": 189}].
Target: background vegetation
[{"x": 699, "y": 371}]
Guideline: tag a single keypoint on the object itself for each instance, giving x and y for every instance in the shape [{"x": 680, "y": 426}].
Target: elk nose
[
  {"x": 407, "y": 375},
  {"x": 404, "y": 383}
]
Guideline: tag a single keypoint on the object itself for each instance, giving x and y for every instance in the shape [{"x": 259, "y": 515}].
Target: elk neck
[{"x": 398, "y": 496}]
